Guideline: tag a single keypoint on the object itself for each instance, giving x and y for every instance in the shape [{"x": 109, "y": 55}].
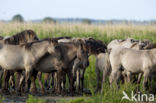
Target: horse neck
[
  {"x": 70, "y": 52},
  {"x": 39, "y": 49}
]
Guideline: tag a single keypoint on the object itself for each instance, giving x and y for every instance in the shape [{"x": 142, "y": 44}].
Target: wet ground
[
  {"x": 49, "y": 97},
  {"x": 14, "y": 99}
]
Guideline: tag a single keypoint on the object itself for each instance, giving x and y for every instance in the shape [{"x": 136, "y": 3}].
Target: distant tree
[
  {"x": 49, "y": 20},
  {"x": 18, "y": 18},
  {"x": 86, "y": 21}
]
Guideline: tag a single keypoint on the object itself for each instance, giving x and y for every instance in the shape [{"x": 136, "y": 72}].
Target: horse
[
  {"x": 25, "y": 56},
  {"x": 94, "y": 47},
  {"x": 102, "y": 60},
  {"x": 133, "y": 61},
  {"x": 17, "y": 39},
  {"x": 70, "y": 52}
]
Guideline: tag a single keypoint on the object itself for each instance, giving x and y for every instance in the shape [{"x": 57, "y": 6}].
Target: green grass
[
  {"x": 108, "y": 96},
  {"x": 32, "y": 99},
  {"x": 106, "y": 33}
]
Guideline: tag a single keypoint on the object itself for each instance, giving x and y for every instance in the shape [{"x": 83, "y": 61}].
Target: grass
[
  {"x": 32, "y": 99},
  {"x": 106, "y": 33}
]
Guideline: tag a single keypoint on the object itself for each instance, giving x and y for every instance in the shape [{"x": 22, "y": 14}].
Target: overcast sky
[{"x": 94, "y": 9}]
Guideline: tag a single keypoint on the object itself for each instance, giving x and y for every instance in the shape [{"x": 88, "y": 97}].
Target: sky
[{"x": 92, "y": 9}]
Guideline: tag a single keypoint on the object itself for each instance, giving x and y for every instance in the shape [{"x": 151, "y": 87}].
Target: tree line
[{"x": 19, "y": 18}]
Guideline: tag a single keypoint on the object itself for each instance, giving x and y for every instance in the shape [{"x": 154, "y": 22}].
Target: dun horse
[
  {"x": 24, "y": 57},
  {"x": 70, "y": 51},
  {"x": 19, "y": 38},
  {"x": 94, "y": 47},
  {"x": 103, "y": 62},
  {"x": 133, "y": 61}
]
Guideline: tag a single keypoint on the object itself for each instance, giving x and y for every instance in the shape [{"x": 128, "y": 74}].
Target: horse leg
[
  {"x": 78, "y": 79},
  {"x": 28, "y": 73},
  {"x": 59, "y": 77},
  {"x": 98, "y": 78},
  {"x": 114, "y": 76},
  {"x": 23, "y": 82},
  {"x": 82, "y": 80},
  {"x": 138, "y": 81},
  {"x": 125, "y": 78},
  {"x": 64, "y": 82},
  {"x": 33, "y": 85},
  {"x": 103, "y": 80},
  {"x": 1, "y": 75},
  {"x": 50, "y": 81},
  {"x": 46, "y": 80},
  {"x": 12, "y": 80},
  {"x": 39, "y": 76},
  {"x": 145, "y": 81},
  {"x": 18, "y": 76},
  {"x": 19, "y": 86},
  {"x": 150, "y": 87},
  {"x": 53, "y": 80},
  {"x": 71, "y": 82},
  {"x": 128, "y": 76},
  {"x": 118, "y": 78},
  {"x": 106, "y": 72},
  {"x": 6, "y": 75}
]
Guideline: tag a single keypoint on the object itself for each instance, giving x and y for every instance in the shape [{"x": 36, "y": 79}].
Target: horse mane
[
  {"x": 96, "y": 46},
  {"x": 20, "y": 37}
]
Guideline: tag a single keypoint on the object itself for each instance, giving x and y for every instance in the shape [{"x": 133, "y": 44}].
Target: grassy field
[{"x": 106, "y": 33}]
